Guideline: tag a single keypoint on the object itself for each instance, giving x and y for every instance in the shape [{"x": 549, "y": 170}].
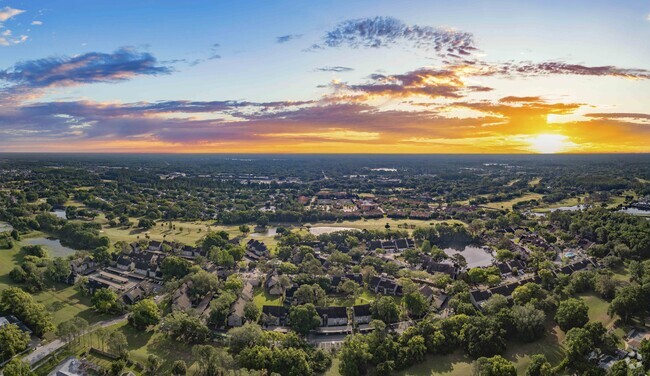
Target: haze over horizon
[{"x": 328, "y": 77}]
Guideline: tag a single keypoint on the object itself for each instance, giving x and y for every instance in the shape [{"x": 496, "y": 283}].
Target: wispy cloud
[
  {"x": 381, "y": 32},
  {"x": 37, "y": 23},
  {"x": 338, "y": 69},
  {"x": 287, "y": 38},
  {"x": 9, "y": 12}
]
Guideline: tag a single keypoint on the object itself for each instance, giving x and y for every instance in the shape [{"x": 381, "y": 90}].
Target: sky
[{"x": 463, "y": 76}]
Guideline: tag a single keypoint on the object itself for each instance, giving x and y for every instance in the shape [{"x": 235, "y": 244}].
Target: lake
[
  {"x": 53, "y": 246},
  {"x": 320, "y": 230},
  {"x": 4, "y": 226},
  {"x": 475, "y": 256}
]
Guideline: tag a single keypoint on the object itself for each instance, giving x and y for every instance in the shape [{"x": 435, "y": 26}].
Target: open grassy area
[
  {"x": 142, "y": 344},
  {"x": 262, "y": 298},
  {"x": 508, "y": 204},
  {"x": 366, "y": 297}
]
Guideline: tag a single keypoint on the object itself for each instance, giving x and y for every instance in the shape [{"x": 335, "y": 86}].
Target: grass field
[
  {"x": 142, "y": 344},
  {"x": 262, "y": 298},
  {"x": 508, "y": 204}
]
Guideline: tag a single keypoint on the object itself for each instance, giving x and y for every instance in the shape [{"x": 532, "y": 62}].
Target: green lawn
[
  {"x": 262, "y": 298},
  {"x": 142, "y": 344},
  {"x": 508, "y": 204},
  {"x": 366, "y": 297}
]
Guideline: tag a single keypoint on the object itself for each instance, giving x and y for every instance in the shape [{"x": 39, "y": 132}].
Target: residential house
[
  {"x": 236, "y": 317},
  {"x": 362, "y": 314},
  {"x": 333, "y": 316}
]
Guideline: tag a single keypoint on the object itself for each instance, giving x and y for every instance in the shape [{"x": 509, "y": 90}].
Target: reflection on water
[{"x": 53, "y": 246}]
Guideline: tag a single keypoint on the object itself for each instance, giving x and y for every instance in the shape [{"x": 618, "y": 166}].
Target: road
[{"x": 42, "y": 352}]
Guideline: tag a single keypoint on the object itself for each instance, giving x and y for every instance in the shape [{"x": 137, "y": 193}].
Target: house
[
  {"x": 385, "y": 285},
  {"x": 274, "y": 315},
  {"x": 362, "y": 314},
  {"x": 255, "y": 250},
  {"x": 272, "y": 284},
  {"x": 236, "y": 317},
  {"x": 80, "y": 266},
  {"x": 154, "y": 245},
  {"x": 333, "y": 316},
  {"x": 181, "y": 300},
  {"x": 125, "y": 263},
  {"x": 9, "y": 320}
]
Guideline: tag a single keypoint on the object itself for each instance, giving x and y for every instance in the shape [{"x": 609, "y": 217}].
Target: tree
[
  {"x": 210, "y": 359},
  {"x": 244, "y": 336},
  {"x": 184, "y": 328},
  {"x": 144, "y": 313},
  {"x": 203, "y": 283},
  {"x": 528, "y": 321},
  {"x": 578, "y": 343},
  {"x": 12, "y": 340},
  {"x": 494, "y": 366},
  {"x": 17, "y": 302},
  {"x": 529, "y": 293},
  {"x": 385, "y": 309},
  {"x": 483, "y": 336},
  {"x": 313, "y": 294},
  {"x": 354, "y": 355},
  {"x": 179, "y": 368},
  {"x": 349, "y": 288},
  {"x": 105, "y": 301},
  {"x": 619, "y": 368},
  {"x": 572, "y": 313},
  {"x": 58, "y": 270},
  {"x": 117, "y": 367},
  {"x": 118, "y": 344},
  {"x": 251, "y": 312},
  {"x": 539, "y": 366},
  {"x": 146, "y": 223},
  {"x": 175, "y": 267},
  {"x": 304, "y": 318},
  {"x": 17, "y": 367},
  {"x": 629, "y": 301},
  {"x": 416, "y": 304},
  {"x": 244, "y": 229},
  {"x": 153, "y": 364}
]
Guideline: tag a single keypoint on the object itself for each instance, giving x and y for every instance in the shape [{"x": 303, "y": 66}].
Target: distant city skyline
[{"x": 325, "y": 77}]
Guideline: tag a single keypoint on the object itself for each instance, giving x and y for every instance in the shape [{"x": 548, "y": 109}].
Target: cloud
[
  {"x": 513, "y": 99},
  {"x": 287, "y": 38},
  {"x": 427, "y": 82},
  {"x": 8, "y": 12},
  {"x": 619, "y": 115},
  {"x": 37, "y": 23},
  {"x": 562, "y": 68},
  {"x": 381, "y": 32},
  {"x": 92, "y": 67},
  {"x": 338, "y": 69}
]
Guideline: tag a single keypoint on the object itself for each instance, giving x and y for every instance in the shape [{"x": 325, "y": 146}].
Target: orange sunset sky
[{"x": 325, "y": 77}]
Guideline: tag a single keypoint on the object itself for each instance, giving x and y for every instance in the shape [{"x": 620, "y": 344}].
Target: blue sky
[{"x": 230, "y": 51}]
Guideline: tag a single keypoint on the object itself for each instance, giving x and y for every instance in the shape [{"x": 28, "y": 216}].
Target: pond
[
  {"x": 53, "y": 246},
  {"x": 635, "y": 211},
  {"x": 475, "y": 256},
  {"x": 320, "y": 230},
  {"x": 270, "y": 231},
  {"x": 4, "y": 226},
  {"x": 60, "y": 213},
  {"x": 568, "y": 208}
]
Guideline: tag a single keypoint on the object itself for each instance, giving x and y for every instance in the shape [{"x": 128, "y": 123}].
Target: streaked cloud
[
  {"x": 287, "y": 38},
  {"x": 337, "y": 69},
  {"x": 123, "y": 64},
  {"x": 37, "y": 23}
]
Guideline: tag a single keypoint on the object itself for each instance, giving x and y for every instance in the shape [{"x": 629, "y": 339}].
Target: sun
[{"x": 548, "y": 143}]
